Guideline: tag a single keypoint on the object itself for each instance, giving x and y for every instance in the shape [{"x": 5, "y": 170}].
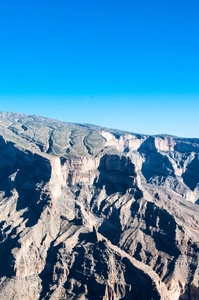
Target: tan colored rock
[{"x": 91, "y": 213}]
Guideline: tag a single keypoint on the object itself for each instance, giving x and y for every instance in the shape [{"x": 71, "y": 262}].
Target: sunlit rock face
[{"x": 94, "y": 213}]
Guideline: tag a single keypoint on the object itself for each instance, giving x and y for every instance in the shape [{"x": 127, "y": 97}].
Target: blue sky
[{"x": 132, "y": 65}]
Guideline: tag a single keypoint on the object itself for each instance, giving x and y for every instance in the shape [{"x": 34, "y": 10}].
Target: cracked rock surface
[{"x": 93, "y": 213}]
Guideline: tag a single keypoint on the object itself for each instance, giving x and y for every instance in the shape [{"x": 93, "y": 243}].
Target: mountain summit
[{"x": 93, "y": 213}]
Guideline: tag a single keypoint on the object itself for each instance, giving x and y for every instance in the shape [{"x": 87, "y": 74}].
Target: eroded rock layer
[{"x": 94, "y": 213}]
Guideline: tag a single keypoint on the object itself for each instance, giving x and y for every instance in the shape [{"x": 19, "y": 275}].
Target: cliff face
[{"x": 92, "y": 213}]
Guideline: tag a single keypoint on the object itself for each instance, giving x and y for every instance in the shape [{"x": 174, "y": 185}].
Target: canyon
[{"x": 91, "y": 213}]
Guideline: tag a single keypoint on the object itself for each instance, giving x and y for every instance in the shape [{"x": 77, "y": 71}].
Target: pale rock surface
[{"x": 94, "y": 213}]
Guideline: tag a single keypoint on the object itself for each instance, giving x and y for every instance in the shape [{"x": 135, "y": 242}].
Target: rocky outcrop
[{"x": 92, "y": 213}]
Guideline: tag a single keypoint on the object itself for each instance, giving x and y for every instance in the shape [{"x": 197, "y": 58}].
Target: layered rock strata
[{"x": 92, "y": 213}]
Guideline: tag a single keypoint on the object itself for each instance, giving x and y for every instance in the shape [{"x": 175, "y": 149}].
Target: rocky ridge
[{"x": 94, "y": 213}]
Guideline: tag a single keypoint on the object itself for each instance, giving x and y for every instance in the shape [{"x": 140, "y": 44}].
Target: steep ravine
[{"x": 109, "y": 216}]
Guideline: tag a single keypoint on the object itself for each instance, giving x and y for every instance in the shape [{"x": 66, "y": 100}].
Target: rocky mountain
[{"x": 93, "y": 213}]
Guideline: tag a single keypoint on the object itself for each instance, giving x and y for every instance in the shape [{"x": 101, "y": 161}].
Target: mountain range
[{"x": 93, "y": 213}]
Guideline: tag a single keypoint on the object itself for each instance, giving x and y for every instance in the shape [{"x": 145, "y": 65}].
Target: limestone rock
[{"x": 94, "y": 213}]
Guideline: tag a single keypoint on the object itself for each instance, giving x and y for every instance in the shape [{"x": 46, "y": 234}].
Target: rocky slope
[{"x": 94, "y": 213}]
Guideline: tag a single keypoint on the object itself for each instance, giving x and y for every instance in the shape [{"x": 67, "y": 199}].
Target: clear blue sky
[{"x": 126, "y": 64}]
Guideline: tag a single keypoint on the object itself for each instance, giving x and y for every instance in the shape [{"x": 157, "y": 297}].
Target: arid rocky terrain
[{"x": 91, "y": 213}]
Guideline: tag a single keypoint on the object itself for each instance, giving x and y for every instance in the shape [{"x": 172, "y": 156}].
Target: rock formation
[{"x": 95, "y": 213}]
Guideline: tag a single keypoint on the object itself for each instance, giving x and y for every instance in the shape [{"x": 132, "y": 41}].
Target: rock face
[{"x": 94, "y": 213}]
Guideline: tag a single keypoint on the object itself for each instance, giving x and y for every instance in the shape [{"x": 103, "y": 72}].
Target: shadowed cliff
[{"x": 95, "y": 213}]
